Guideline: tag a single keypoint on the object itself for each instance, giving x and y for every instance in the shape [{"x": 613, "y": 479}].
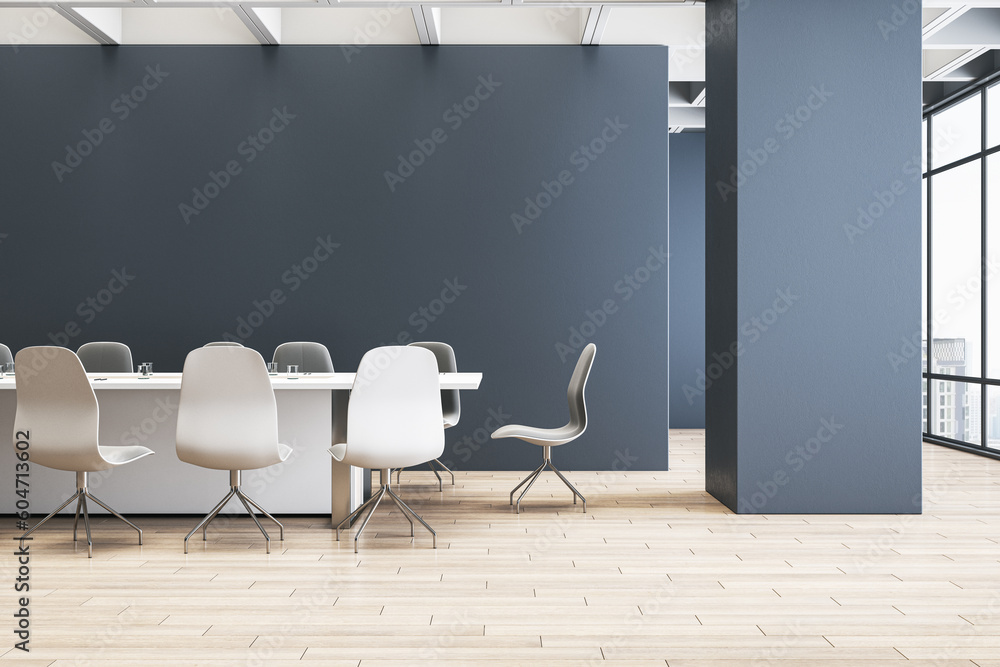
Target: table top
[{"x": 281, "y": 381}]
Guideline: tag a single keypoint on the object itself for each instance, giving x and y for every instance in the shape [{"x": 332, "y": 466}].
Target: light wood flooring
[{"x": 656, "y": 573}]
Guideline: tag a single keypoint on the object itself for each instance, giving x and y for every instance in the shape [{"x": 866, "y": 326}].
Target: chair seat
[
  {"x": 543, "y": 437},
  {"x": 120, "y": 455}
]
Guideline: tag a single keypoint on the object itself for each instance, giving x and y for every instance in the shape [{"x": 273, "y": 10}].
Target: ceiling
[{"x": 961, "y": 39}]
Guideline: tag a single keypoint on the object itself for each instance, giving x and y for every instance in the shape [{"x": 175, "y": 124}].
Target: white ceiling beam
[
  {"x": 597, "y": 22},
  {"x": 103, "y": 24},
  {"x": 947, "y": 69},
  {"x": 428, "y": 23},
  {"x": 943, "y": 19},
  {"x": 390, "y": 4},
  {"x": 698, "y": 99},
  {"x": 432, "y": 19},
  {"x": 421, "y": 25},
  {"x": 690, "y": 117},
  {"x": 263, "y": 22}
]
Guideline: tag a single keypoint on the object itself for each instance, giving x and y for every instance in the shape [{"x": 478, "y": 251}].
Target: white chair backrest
[
  {"x": 227, "y": 418},
  {"x": 223, "y": 343},
  {"x": 577, "y": 385},
  {"x": 451, "y": 403},
  {"x": 5, "y": 355},
  {"x": 394, "y": 415},
  {"x": 309, "y": 357},
  {"x": 58, "y": 408},
  {"x": 106, "y": 357}
]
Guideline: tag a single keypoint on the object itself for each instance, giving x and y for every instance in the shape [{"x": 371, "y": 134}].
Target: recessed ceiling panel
[
  {"x": 183, "y": 25},
  {"x": 656, "y": 25},
  {"x": 350, "y": 26},
  {"x": 23, "y": 26},
  {"x": 513, "y": 25}
]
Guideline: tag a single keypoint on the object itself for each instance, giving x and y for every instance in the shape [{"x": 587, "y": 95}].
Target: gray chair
[
  {"x": 223, "y": 343},
  {"x": 5, "y": 355},
  {"x": 451, "y": 403},
  {"x": 57, "y": 407},
  {"x": 309, "y": 357},
  {"x": 106, "y": 357},
  {"x": 547, "y": 438}
]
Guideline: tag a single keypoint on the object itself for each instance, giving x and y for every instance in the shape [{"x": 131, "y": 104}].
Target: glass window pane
[
  {"x": 993, "y": 115},
  {"x": 993, "y": 265},
  {"x": 993, "y": 423},
  {"x": 957, "y": 132},
  {"x": 955, "y": 270},
  {"x": 923, "y": 145},
  {"x": 958, "y": 414},
  {"x": 923, "y": 267}
]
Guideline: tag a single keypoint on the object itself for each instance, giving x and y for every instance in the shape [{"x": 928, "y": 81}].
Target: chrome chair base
[
  {"x": 248, "y": 503},
  {"x": 81, "y": 496},
  {"x": 430, "y": 464},
  {"x": 385, "y": 489},
  {"x": 530, "y": 479}
]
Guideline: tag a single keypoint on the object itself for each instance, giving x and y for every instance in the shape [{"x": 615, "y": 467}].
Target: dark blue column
[{"x": 813, "y": 113}]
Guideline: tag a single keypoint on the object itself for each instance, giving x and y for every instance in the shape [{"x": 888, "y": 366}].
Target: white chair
[
  {"x": 5, "y": 356},
  {"x": 223, "y": 343},
  {"x": 106, "y": 357},
  {"x": 58, "y": 410},
  {"x": 547, "y": 438},
  {"x": 227, "y": 419},
  {"x": 451, "y": 402},
  {"x": 309, "y": 357},
  {"x": 394, "y": 420}
]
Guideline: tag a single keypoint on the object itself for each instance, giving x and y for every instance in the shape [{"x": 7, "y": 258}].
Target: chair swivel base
[
  {"x": 530, "y": 479},
  {"x": 430, "y": 464},
  {"x": 248, "y": 503},
  {"x": 385, "y": 475},
  {"x": 81, "y": 496}
]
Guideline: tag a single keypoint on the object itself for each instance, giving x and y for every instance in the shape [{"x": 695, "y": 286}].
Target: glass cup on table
[
  {"x": 272, "y": 368},
  {"x": 292, "y": 371}
]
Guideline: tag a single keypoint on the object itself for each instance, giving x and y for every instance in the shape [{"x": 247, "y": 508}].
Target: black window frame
[{"x": 984, "y": 381}]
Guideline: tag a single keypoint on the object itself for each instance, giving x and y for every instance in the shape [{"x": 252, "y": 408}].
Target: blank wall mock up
[{"x": 511, "y": 201}]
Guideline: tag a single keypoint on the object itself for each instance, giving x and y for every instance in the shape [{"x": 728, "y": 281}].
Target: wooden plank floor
[{"x": 657, "y": 572}]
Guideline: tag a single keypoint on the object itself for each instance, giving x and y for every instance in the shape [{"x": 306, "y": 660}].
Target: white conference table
[{"x": 312, "y": 414}]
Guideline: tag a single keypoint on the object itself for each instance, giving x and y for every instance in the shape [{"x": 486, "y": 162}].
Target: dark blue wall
[
  {"x": 818, "y": 111},
  {"x": 528, "y": 296},
  {"x": 687, "y": 279}
]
